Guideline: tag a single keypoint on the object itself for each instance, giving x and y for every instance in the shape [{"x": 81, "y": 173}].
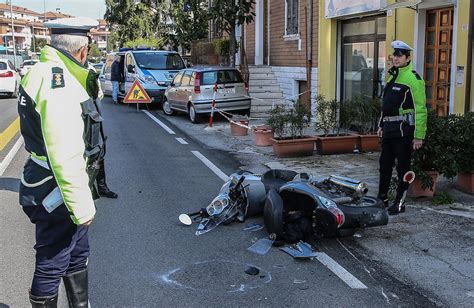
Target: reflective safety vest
[
  {"x": 61, "y": 127},
  {"x": 404, "y": 94}
]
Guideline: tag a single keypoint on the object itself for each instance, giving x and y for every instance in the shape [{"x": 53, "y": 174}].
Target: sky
[{"x": 88, "y": 8}]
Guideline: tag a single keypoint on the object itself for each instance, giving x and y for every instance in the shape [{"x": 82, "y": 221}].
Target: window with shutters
[{"x": 291, "y": 20}]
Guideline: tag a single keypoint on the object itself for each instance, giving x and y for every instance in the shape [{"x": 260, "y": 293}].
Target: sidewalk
[{"x": 429, "y": 246}]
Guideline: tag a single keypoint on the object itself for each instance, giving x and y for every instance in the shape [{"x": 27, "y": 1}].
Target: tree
[
  {"x": 229, "y": 13},
  {"x": 153, "y": 42},
  {"x": 37, "y": 44},
  {"x": 183, "y": 22},
  {"x": 131, "y": 20},
  {"x": 94, "y": 51}
]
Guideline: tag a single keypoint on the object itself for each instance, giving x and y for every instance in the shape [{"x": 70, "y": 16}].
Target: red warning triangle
[{"x": 137, "y": 94}]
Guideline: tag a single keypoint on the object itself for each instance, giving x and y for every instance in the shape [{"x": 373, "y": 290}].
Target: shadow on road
[
  {"x": 2, "y": 305},
  {"x": 10, "y": 184}
]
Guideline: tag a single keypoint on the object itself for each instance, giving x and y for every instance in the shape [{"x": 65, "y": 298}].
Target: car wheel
[
  {"x": 193, "y": 116},
  {"x": 167, "y": 108},
  {"x": 245, "y": 112}
]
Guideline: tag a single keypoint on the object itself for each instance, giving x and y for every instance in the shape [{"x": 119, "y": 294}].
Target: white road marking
[
  {"x": 181, "y": 140},
  {"x": 211, "y": 166},
  {"x": 340, "y": 272},
  {"x": 163, "y": 125},
  {"x": 8, "y": 159}
]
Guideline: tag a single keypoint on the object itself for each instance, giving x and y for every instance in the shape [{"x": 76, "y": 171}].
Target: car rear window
[
  {"x": 224, "y": 76},
  {"x": 29, "y": 63},
  {"x": 3, "y": 66}
]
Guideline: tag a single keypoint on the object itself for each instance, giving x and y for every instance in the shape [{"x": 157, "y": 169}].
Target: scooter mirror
[{"x": 185, "y": 219}]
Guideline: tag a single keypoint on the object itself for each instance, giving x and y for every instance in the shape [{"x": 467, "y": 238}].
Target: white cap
[
  {"x": 72, "y": 26},
  {"x": 401, "y": 45}
]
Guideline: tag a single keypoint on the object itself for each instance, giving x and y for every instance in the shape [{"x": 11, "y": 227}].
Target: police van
[{"x": 155, "y": 69}]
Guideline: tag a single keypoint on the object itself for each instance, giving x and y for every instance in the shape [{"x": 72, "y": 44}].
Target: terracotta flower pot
[
  {"x": 263, "y": 135},
  {"x": 336, "y": 144},
  {"x": 369, "y": 143},
  {"x": 293, "y": 147},
  {"x": 237, "y": 130},
  {"x": 465, "y": 181},
  {"x": 416, "y": 188}
]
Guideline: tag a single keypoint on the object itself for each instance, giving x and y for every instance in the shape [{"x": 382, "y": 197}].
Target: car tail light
[
  {"x": 197, "y": 83},
  {"x": 338, "y": 214},
  {"x": 7, "y": 74},
  {"x": 245, "y": 82},
  {"x": 215, "y": 87}
]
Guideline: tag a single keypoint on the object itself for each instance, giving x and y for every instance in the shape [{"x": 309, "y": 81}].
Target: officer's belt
[
  {"x": 40, "y": 162},
  {"x": 406, "y": 117}
]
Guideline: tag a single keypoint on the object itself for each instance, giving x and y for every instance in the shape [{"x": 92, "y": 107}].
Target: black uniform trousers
[
  {"x": 399, "y": 149},
  {"x": 62, "y": 247}
]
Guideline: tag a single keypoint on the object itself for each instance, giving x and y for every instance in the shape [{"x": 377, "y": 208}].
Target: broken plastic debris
[
  {"x": 252, "y": 270},
  {"x": 298, "y": 281},
  {"x": 262, "y": 246},
  {"x": 253, "y": 227},
  {"x": 357, "y": 235},
  {"x": 301, "y": 250}
]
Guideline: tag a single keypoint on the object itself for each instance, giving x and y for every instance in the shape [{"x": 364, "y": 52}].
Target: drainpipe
[
  {"x": 268, "y": 32},
  {"x": 470, "y": 42}
]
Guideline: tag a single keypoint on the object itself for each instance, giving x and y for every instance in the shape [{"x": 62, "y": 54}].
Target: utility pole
[{"x": 13, "y": 33}]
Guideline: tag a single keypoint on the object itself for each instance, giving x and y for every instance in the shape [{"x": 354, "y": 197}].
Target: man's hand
[
  {"x": 417, "y": 143},
  {"x": 380, "y": 132},
  {"x": 87, "y": 223}
]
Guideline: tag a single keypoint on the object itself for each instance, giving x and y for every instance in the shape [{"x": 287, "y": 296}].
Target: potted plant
[
  {"x": 263, "y": 135},
  {"x": 239, "y": 125},
  {"x": 436, "y": 156},
  {"x": 289, "y": 125},
  {"x": 335, "y": 119},
  {"x": 367, "y": 121},
  {"x": 464, "y": 131}
]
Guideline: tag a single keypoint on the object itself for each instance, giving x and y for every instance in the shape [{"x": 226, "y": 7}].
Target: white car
[
  {"x": 25, "y": 67},
  {"x": 9, "y": 78}
]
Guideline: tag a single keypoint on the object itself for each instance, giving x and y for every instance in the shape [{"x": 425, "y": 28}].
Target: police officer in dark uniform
[
  {"x": 60, "y": 125},
  {"x": 100, "y": 187},
  {"x": 402, "y": 124}
]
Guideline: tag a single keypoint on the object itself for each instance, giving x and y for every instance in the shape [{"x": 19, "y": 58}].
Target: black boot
[
  {"x": 95, "y": 194},
  {"x": 398, "y": 205},
  {"x": 104, "y": 191},
  {"x": 44, "y": 301},
  {"x": 384, "y": 199},
  {"x": 77, "y": 289}
]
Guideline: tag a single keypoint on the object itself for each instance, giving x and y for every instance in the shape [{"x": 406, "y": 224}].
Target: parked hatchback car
[
  {"x": 192, "y": 92},
  {"x": 9, "y": 78},
  {"x": 26, "y": 65}
]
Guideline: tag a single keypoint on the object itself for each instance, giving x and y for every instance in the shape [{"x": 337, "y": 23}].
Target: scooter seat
[{"x": 276, "y": 178}]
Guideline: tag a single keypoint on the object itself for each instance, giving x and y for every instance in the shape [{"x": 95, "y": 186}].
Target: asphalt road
[
  {"x": 8, "y": 111},
  {"x": 142, "y": 257}
]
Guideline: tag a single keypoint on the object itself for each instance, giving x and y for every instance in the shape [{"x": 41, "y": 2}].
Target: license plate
[{"x": 226, "y": 90}]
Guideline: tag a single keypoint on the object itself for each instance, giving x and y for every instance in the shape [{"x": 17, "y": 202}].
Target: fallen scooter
[{"x": 295, "y": 205}]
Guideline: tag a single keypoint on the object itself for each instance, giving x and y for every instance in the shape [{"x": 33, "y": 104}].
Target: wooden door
[{"x": 438, "y": 53}]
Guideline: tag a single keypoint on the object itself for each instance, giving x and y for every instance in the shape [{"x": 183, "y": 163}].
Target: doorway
[
  {"x": 438, "y": 53},
  {"x": 363, "y": 58}
]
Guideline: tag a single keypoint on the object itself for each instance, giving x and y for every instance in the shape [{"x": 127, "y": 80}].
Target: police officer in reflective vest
[
  {"x": 61, "y": 128},
  {"x": 402, "y": 124}
]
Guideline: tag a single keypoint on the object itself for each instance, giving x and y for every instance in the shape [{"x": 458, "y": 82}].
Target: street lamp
[{"x": 13, "y": 33}]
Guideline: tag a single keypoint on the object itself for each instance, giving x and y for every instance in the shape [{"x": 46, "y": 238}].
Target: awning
[{"x": 412, "y": 4}]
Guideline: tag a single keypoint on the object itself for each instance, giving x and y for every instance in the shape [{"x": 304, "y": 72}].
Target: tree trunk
[{"x": 232, "y": 45}]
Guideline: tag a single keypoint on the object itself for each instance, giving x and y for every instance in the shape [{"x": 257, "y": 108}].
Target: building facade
[
  {"x": 281, "y": 49},
  {"x": 355, "y": 48},
  {"x": 26, "y": 25}
]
